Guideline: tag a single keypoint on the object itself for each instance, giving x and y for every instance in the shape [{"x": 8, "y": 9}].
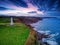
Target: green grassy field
[
  {"x": 4, "y": 20},
  {"x": 13, "y": 35}
]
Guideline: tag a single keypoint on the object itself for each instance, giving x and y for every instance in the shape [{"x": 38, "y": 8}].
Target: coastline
[
  {"x": 34, "y": 38},
  {"x": 31, "y": 40}
]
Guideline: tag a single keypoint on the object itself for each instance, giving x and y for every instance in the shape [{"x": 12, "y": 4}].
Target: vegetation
[
  {"x": 4, "y": 20},
  {"x": 13, "y": 35}
]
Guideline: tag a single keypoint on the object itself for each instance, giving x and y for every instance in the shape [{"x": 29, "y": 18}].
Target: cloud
[
  {"x": 2, "y": 8},
  {"x": 40, "y": 5},
  {"x": 46, "y": 5},
  {"x": 19, "y": 3},
  {"x": 32, "y": 12}
]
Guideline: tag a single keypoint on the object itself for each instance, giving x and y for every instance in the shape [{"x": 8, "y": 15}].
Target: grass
[
  {"x": 13, "y": 35},
  {"x": 4, "y": 20}
]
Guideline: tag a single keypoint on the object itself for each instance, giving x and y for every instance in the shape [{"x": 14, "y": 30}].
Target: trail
[{"x": 34, "y": 36}]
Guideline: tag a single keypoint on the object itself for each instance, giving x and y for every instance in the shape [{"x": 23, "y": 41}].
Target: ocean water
[{"x": 49, "y": 26}]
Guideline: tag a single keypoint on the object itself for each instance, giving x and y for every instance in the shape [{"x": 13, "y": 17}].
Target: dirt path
[
  {"x": 31, "y": 40},
  {"x": 34, "y": 36}
]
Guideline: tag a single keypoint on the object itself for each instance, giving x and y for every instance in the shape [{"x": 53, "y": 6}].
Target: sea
[{"x": 49, "y": 26}]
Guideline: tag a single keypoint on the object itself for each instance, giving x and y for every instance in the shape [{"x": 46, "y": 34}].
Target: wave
[{"x": 51, "y": 40}]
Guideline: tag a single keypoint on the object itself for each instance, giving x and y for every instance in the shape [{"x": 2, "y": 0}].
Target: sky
[{"x": 29, "y": 6}]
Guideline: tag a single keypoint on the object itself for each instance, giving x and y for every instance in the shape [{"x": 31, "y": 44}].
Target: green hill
[{"x": 13, "y": 35}]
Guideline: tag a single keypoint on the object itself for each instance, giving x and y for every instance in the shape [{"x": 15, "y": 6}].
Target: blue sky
[
  {"x": 30, "y": 6},
  {"x": 51, "y": 5}
]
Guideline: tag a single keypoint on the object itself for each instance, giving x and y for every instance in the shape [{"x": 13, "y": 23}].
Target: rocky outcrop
[
  {"x": 34, "y": 38},
  {"x": 29, "y": 20}
]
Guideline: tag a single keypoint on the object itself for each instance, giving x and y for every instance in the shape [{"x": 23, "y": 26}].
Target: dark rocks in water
[
  {"x": 45, "y": 43},
  {"x": 41, "y": 36}
]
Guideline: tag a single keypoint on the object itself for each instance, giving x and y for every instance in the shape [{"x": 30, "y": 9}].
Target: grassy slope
[
  {"x": 13, "y": 35},
  {"x": 4, "y": 20}
]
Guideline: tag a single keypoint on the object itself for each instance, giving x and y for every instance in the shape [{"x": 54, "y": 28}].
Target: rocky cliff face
[
  {"x": 34, "y": 38},
  {"x": 29, "y": 20}
]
